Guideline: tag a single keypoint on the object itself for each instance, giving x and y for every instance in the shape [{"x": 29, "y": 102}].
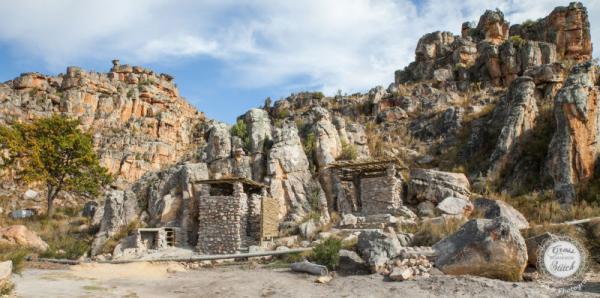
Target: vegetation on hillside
[{"x": 53, "y": 151}]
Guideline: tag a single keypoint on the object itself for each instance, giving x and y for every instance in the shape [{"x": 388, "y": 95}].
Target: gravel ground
[{"x": 173, "y": 280}]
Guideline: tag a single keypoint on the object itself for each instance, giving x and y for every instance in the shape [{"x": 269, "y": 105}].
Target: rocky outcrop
[
  {"x": 491, "y": 53},
  {"x": 521, "y": 118},
  {"x": 434, "y": 186},
  {"x": 493, "y": 27},
  {"x": 20, "y": 236},
  {"x": 575, "y": 147},
  {"x": 259, "y": 129},
  {"x": 484, "y": 247},
  {"x": 291, "y": 181},
  {"x": 138, "y": 120},
  {"x": 492, "y": 209},
  {"x": 566, "y": 27}
]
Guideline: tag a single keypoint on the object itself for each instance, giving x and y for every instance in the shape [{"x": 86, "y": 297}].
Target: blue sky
[{"x": 228, "y": 56}]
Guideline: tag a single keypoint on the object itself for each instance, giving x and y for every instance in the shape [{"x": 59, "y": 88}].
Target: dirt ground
[{"x": 173, "y": 280}]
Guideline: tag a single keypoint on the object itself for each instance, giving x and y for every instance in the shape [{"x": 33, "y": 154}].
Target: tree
[{"x": 55, "y": 152}]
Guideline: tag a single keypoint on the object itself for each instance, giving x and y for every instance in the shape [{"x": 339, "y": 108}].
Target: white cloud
[{"x": 336, "y": 44}]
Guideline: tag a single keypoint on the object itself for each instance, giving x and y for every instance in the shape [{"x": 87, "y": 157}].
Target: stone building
[
  {"x": 368, "y": 187},
  {"x": 229, "y": 215}
]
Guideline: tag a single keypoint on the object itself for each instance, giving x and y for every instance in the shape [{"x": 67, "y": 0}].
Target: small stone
[{"x": 401, "y": 274}]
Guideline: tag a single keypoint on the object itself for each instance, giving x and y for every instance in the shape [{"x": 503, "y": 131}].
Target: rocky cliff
[
  {"x": 513, "y": 108},
  {"x": 138, "y": 120}
]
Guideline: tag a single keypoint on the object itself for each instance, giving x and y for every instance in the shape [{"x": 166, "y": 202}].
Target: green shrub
[
  {"x": 241, "y": 131},
  {"x": 67, "y": 247},
  {"x": 348, "y": 151},
  {"x": 16, "y": 254},
  {"x": 327, "y": 253},
  {"x": 517, "y": 40}
]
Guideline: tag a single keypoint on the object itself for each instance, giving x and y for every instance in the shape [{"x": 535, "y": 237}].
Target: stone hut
[
  {"x": 229, "y": 215},
  {"x": 368, "y": 187}
]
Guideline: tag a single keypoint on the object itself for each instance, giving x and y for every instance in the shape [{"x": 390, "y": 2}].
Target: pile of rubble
[{"x": 412, "y": 268}]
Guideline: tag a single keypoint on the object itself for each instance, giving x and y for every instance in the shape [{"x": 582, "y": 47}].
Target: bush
[
  {"x": 517, "y": 40},
  {"x": 327, "y": 253},
  {"x": 241, "y": 131},
  {"x": 16, "y": 254},
  {"x": 348, "y": 151}
]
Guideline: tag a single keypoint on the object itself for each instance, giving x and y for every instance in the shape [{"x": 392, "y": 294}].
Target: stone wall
[
  {"x": 380, "y": 195},
  {"x": 222, "y": 223}
]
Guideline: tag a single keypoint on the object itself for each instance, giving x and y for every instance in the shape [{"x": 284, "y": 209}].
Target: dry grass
[
  {"x": 429, "y": 232},
  {"x": 67, "y": 234}
]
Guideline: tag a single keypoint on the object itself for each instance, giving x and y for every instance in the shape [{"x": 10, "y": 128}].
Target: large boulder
[
  {"x": 433, "y": 185},
  {"x": 574, "y": 151},
  {"x": 351, "y": 263},
  {"x": 491, "y": 248},
  {"x": 120, "y": 209},
  {"x": 455, "y": 206},
  {"x": 377, "y": 248},
  {"x": 534, "y": 244},
  {"x": 23, "y": 237},
  {"x": 491, "y": 209}
]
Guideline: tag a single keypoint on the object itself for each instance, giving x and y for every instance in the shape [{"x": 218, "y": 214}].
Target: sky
[{"x": 228, "y": 56}]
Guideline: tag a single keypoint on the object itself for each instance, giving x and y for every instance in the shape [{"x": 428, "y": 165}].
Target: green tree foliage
[
  {"x": 348, "y": 151},
  {"x": 53, "y": 151},
  {"x": 241, "y": 131}
]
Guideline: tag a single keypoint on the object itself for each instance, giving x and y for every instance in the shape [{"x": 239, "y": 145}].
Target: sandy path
[{"x": 156, "y": 280}]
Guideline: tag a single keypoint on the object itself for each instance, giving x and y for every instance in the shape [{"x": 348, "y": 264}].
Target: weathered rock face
[
  {"x": 493, "y": 26},
  {"x": 484, "y": 247},
  {"x": 138, "y": 120},
  {"x": 488, "y": 53},
  {"x": 291, "y": 182},
  {"x": 328, "y": 143},
  {"x": 19, "y": 235},
  {"x": 455, "y": 206},
  {"x": 259, "y": 128},
  {"x": 434, "y": 186},
  {"x": 521, "y": 118},
  {"x": 575, "y": 147},
  {"x": 495, "y": 208},
  {"x": 566, "y": 27}
]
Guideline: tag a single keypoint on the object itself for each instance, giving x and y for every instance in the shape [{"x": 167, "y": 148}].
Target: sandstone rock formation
[
  {"x": 566, "y": 27},
  {"x": 138, "y": 120},
  {"x": 21, "y": 236},
  {"x": 521, "y": 117},
  {"x": 434, "y": 186},
  {"x": 575, "y": 147},
  {"x": 491, "y": 53},
  {"x": 491, "y": 248}
]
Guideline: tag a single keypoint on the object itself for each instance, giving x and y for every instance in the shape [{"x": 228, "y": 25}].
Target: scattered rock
[
  {"x": 491, "y": 209},
  {"x": 308, "y": 229},
  {"x": 31, "y": 194},
  {"x": 426, "y": 209},
  {"x": 351, "y": 263},
  {"x": 492, "y": 248},
  {"x": 323, "y": 279},
  {"x": 377, "y": 248},
  {"x": 401, "y": 274}
]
